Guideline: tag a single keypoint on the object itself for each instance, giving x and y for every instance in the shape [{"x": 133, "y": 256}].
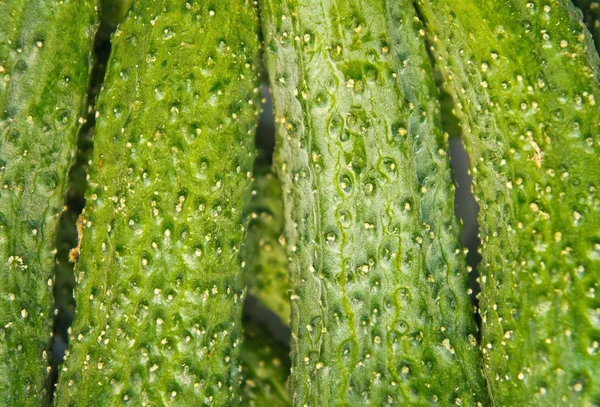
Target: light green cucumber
[
  {"x": 112, "y": 12},
  {"x": 524, "y": 78},
  {"x": 45, "y": 55},
  {"x": 380, "y": 310},
  {"x": 265, "y": 349},
  {"x": 160, "y": 286},
  {"x": 265, "y": 259}
]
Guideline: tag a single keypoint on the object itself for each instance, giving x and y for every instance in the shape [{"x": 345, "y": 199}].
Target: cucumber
[
  {"x": 265, "y": 259},
  {"x": 265, "y": 368},
  {"x": 112, "y": 12},
  {"x": 591, "y": 17},
  {"x": 524, "y": 78},
  {"x": 380, "y": 310},
  {"x": 67, "y": 239},
  {"x": 265, "y": 347},
  {"x": 45, "y": 54},
  {"x": 160, "y": 286}
]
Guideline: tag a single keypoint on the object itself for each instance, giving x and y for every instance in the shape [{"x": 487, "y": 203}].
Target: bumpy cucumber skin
[
  {"x": 160, "y": 287},
  {"x": 380, "y": 311},
  {"x": 524, "y": 77},
  {"x": 265, "y": 369},
  {"x": 45, "y": 51},
  {"x": 265, "y": 259}
]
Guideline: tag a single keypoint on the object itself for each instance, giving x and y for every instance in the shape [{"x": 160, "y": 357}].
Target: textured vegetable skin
[
  {"x": 45, "y": 49},
  {"x": 160, "y": 287},
  {"x": 380, "y": 311},
  {"x": 524, "y": 78}
]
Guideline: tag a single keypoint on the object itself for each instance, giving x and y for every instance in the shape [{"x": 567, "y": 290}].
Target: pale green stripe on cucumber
[
  {"x": 380, "y": 310},
  {"x": 160, "y": 285},
  {"x": 524, "y": 78},
  {"x": 45, "y": 55}
]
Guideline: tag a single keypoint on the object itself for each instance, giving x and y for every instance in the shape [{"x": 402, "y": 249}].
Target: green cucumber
[
  {"x": 160, "y": 286},
  {"x": 265, "y": 368},
  {"x": 591, "y": 17},
  {"x": 114, "y": 11},
  {"x": 380, "y": 310},
  {"x": 45, "y": 54},
  {"x": 524, "y": 78},
  {"x": 264, "y": 355},
  {"x": 265, "y": 259}
]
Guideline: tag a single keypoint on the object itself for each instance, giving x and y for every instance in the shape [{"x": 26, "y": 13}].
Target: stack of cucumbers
[{"x": 210, "y": 270}]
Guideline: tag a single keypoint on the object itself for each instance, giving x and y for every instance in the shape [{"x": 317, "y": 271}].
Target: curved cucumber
[
  {"x": 45, "y": 49},
  {"x": 380, "y": 311},
  {"x": 524, "y": 77},
  {"x": 160, "y": 286}
]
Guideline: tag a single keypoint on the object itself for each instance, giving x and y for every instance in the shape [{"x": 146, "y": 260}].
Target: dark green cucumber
[
  {"x": 591, "y": 17},
  {"x": 524, "y": 78},
  {"x": 380, "y": 310},
  {"x": 45, "y": 54},
  {"x": 265, "y": 368},
  {"x": 160, "y": 286}
]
